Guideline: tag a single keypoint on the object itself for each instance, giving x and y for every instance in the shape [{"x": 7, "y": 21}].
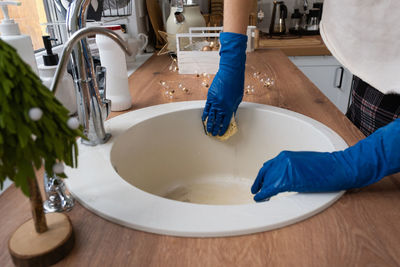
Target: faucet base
[{"x": 96, "y": 142}]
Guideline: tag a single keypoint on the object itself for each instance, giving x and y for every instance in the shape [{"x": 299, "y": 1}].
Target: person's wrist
[
  {"x": 233, "y": 42},
  {"x": 233, "y": 50}
]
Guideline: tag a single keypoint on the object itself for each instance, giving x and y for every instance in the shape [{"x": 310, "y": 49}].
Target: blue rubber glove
[
  {"x": 365, "y": 163},
  {"x": 226, "y": 90}
]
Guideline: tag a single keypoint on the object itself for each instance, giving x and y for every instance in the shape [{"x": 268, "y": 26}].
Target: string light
[
  {"x": 258, "y": 80},
  {"x": 204, "y": 84},
  {"x": 269, "y": 82},
  {"x": 169, "y": 90},
  {"x": 174, "y": 65},
  {"x": 249, "y": 90}
]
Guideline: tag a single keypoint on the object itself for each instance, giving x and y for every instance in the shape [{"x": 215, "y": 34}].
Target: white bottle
[
  {"x": 113, "y": 59},
  {"x": 66, "y": 93},
  {"x": 10, "y": 33}
]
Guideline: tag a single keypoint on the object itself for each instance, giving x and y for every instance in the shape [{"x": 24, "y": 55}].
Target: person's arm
[
  {"x": 236, "y": 15},
  {"x": 365, "y": 163},
  {"x": 226, "y": 90}
]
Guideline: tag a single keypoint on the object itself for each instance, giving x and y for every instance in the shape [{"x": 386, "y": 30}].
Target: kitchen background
[
  {"x": 34, "y": 16},
  {"x": 266, "y": 7},
  {"x": 40, "y": 17}
]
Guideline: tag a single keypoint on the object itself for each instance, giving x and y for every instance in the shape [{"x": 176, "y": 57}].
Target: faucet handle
[
  {"x": 101, "y": 80},
  {"x": 106, "y": 107}
]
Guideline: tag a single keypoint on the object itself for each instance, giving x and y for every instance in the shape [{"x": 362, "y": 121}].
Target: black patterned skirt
[{"x": 370, "y": 109}]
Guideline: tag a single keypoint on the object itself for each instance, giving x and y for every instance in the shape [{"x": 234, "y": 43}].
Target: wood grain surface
[
  {"x": 296, "y": 46},
  {"x": 361, "y": 229},
  {"x": 28, "y": 248}
]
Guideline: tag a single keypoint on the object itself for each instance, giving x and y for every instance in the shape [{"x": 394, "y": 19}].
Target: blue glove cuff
[
  {"x": 376, "y": 156},
  {"x": 233, "y": 51}
]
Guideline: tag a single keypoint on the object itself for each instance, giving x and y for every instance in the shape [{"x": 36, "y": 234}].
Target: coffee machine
[{"x": 279, "y": 15}]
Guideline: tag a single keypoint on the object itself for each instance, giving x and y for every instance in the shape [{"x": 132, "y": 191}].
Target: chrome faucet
[{"x": 93, "y": 106}]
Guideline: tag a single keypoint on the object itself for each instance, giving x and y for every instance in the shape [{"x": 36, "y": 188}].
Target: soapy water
[{"x": 216, "y": 191}]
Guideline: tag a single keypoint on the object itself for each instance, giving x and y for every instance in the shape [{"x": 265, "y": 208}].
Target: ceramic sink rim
[{"x": 95, "y": 188}]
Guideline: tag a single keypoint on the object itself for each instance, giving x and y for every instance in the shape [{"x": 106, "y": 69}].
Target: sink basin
[{"x": 160, "y": 173}]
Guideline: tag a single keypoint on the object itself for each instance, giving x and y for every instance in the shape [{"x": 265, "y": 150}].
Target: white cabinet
[{"x": 329, "y": 76}]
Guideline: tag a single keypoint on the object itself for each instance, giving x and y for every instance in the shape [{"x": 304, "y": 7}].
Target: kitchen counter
[
  {"x": 360, "y": 229},
  {"x": 296, "y": 46}
]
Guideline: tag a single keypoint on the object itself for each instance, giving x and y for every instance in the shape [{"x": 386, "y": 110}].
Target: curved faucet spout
[
  {"x": 93, "y": 107},
  {"x": 69, "y": 45}
]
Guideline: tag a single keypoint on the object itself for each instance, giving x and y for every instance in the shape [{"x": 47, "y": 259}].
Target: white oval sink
[{"x": 160, "y": 173}]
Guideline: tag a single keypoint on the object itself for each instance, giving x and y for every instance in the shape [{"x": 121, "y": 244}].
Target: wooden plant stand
[{"x": 29, "y": 248}]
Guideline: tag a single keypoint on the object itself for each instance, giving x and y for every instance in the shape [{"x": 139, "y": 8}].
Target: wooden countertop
[
  {"x": 296, "y": 46},
  {"x": 362, "y": 228}
]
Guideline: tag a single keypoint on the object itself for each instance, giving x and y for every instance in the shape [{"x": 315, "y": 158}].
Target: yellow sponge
[{"x": 232, "y": 129}]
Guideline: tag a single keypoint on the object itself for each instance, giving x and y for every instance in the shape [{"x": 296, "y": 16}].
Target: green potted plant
[{"x": 35, "y": 131}]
